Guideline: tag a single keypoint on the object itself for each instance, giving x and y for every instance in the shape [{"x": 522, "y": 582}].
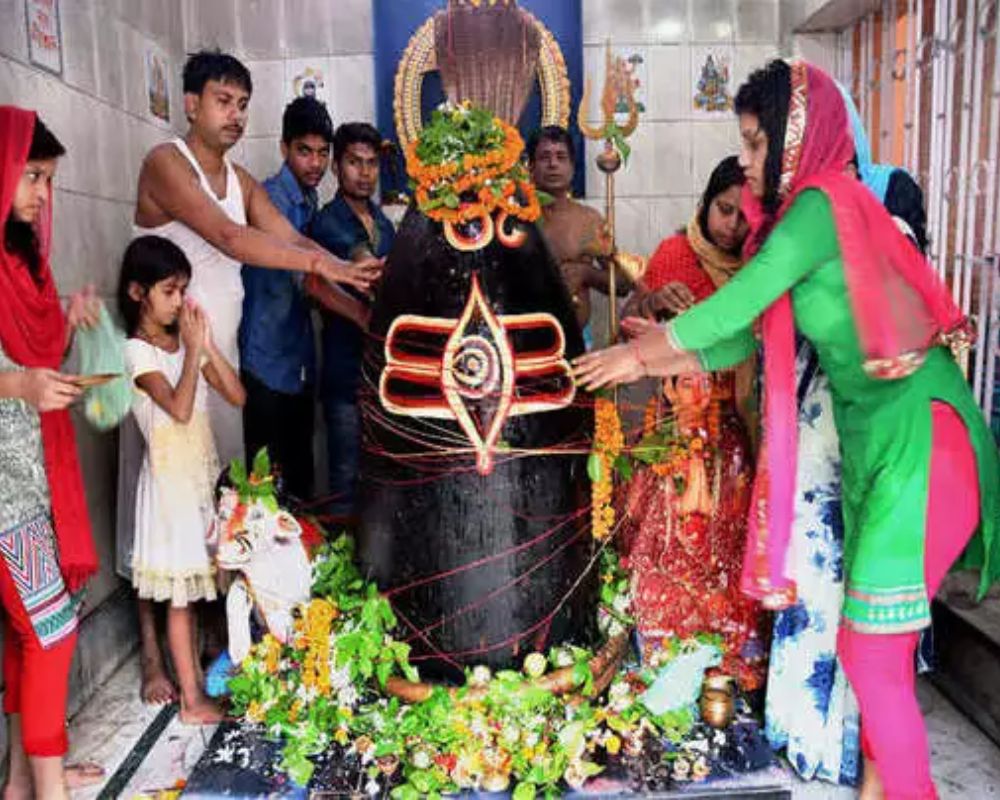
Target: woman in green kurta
[{"x": 912, "y": 438}]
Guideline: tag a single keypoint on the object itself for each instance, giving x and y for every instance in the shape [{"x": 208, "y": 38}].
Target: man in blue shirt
[
  {"x": 353, "y": 227},
  {"x": 277, "y": 352}
]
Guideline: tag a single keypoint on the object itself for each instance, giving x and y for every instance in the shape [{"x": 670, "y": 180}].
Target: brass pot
[
  {"x": 718, "y": 707},
  {"x": 720, "y": 681}
]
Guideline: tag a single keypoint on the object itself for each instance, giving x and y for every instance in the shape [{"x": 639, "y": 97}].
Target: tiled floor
[{"x": 966, "y": 764}]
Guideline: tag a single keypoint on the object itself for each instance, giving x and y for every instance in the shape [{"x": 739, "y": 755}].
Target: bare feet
[
  {"x": 201, "y": 711},
  {"x": 871, "y": 786},
  {"x": 157, "y": 689},
  {"x": 86, "y": 773}
]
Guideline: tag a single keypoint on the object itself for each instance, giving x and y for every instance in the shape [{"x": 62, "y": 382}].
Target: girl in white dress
[{"x": 171, "y": 356}]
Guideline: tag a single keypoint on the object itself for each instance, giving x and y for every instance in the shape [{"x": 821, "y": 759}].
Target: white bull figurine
[{"x": 262, "y": 544}]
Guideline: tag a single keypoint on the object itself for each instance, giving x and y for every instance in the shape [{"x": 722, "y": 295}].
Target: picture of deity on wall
[
  {"x": 712, "y": 92},
  {"x": 156, "y": 85}
]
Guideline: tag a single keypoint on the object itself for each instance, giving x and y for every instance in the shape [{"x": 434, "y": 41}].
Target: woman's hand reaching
[
  {"x": 84, "y": 309},
  {"x": 647, "y": 352}
]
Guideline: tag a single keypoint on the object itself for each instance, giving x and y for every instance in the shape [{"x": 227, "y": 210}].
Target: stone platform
[{"x": 239, "y": 763}]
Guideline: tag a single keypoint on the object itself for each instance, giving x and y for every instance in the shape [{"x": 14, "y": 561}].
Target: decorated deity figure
[
  {"x": 473, "y": 479},
  {"x": 713, "y": 86},
  {"x": 686, "y": 506},
  {"x": 263, "y": 546}
]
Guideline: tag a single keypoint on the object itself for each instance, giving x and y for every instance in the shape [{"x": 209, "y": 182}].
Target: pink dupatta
[{"x": 900, "y": 307}]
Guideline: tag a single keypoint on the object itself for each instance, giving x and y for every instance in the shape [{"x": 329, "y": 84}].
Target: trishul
[{"x": 618, "y": 85}]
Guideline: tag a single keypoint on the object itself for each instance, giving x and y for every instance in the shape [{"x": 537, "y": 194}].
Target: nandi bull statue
[{"x": 262, "y": 544}]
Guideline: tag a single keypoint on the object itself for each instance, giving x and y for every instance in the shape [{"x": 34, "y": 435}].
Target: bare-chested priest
[
  {"x": 577, "y": 234},
  {"x": 190, "y": 192}
]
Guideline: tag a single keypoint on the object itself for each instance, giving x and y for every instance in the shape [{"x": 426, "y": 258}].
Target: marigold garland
[
  {"x": 316, "y": 668},
  {"x": 496, "y": 179},
  {"x": 608, "y": 443}
]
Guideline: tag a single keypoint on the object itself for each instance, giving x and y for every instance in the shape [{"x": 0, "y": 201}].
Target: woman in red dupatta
[
  {"x": 685, "y": 529},
  {"x": 921, "y": 478},
  {"x": 45, "y": 539}
]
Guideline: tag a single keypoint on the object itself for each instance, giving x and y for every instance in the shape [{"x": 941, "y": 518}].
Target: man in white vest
[{"x": 189, "y": 192}]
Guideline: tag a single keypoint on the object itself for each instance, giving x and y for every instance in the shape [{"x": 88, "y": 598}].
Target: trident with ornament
[{"x": 619, "y": 90}]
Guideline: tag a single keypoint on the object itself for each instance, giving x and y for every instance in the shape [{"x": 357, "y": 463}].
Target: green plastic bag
[{"x": 102, "y": 352}]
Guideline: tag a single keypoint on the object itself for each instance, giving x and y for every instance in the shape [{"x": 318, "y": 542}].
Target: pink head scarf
[{"x": 900, "y": 307}]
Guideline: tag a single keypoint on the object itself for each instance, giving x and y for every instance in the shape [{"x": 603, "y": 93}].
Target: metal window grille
[{"x": 926, "y": 77}]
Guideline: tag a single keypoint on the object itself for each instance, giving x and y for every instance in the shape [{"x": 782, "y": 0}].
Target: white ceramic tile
[
  {"x": 117, "y": 172},
  {"x": 820, "y": 49},
  {"x": 300, "y": 72},
  {"x": 178, "y": 121},
  {"x": 351, "y": 88},
  {"x": 73, "y": 121},
  {"x": 143, "y": 137},
  {"x": 623, "y": 21},
  {"x": 175, "y": 28},
  {"x": 210, "y": 24},
  {"x": 666, "y": 216},
  {"x": 155, "y": 19},
  {"x": 712, "y": 141},
  {"x": 750, "y": 57},
  {"x": 668, "y": 171},
  {"x": 352, "y": 30},
  {"x": 13, "y": 31},
  {"x": 261, "y": 157},
  {"x": 669, "y": 76},
  {"x": 667, "y": 21},
  {"x": 722, "y": 58},
  {"x": 269, "y": 97},
  {"x": 757, "y": 21},
  {"x": 309, "y": 27},
  {"x": 632, "y": 224},
  {"x": 593, "y": 73},
  {"x": 110, "y": 34},
  {"x": 133, "y": 46},
  {"x": 713, "y": 20},
  {"x": 262, "y": 29},
  {"x": 77, "y": 23},
  {"x": 19, "y": 84}
]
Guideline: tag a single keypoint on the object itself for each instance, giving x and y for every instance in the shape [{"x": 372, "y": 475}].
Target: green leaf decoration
[
  {"x": 262, "y": 465},
  {"x": 525, "y": 791},
  {"x": 594, "y": 468}
]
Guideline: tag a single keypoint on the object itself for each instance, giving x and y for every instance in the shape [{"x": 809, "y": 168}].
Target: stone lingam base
[{"x": 241, "y": 762}]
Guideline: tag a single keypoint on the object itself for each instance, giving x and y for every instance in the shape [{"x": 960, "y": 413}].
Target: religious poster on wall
[
  {"x": 44, "y": 35},
  {"x": 157, "y": 88},
  {"x": 712, "y": 88},
  {"x": 309, "y": 83}
]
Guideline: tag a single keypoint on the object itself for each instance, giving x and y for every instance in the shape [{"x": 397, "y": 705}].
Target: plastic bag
[{"x": 102, "y": 352}]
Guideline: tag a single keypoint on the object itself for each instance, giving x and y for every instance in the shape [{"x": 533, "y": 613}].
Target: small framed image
[
  {"x": 44, "y": 34},
  {"x": 157, "y": 86}
]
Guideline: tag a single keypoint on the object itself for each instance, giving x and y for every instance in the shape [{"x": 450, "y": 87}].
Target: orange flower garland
[
  {"x": 316, "y": 667},
  {"x": 495, "y": 178},
  {"x": 608, "y": 443}
]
